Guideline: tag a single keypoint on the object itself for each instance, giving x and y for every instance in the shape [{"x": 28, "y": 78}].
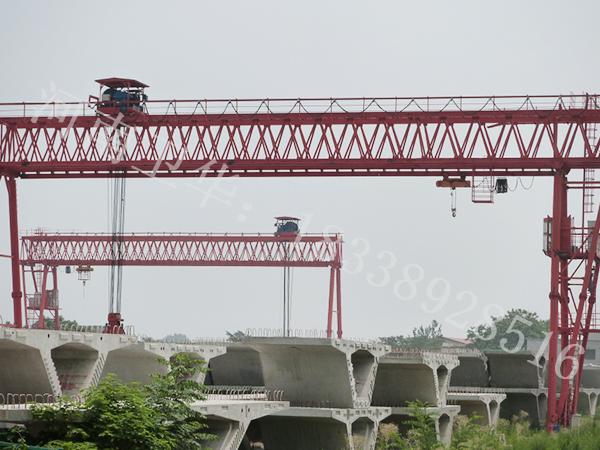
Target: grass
[{"x": 515, "y": 434}]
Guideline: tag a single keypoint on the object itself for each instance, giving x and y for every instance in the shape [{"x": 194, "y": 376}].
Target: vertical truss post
[
  {"x": 564, "y": 324},
  {"x": 43, "y": 299},
  {"x": 25, "y": 301},
  {"x": 584, "y": 337},
  {"x": 55, "y": 290},
  {"x": 559, "y": 219},
  {"x": 338, "y": 285},
  {"x": 580, "y": 328},
  {"x": 11, "y": 187},
  {"x": 330, "y": 303}
]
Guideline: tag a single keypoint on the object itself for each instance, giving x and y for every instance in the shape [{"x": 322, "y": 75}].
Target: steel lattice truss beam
[
  {"x": 182, "y": 250},
  {"x": 311, "y": 137}
]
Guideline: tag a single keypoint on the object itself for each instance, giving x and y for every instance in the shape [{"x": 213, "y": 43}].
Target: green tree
[
  {"x": 65, "y": 324},
  {"x": 423, "y": 336},
  {"x": 422, "y": 434},
  {"x": 173, "y": 393},
  {"x": 508, "y": 332},
  {"x": 388, "y": 438},
  {"x": 236, "y": 336},
  {"x": 15, "y": 437},
  {"x": 119, "y": 416},
  {"x": 65, "y": 445},
  {"x": 468, "y": 434},
  {"x": 113, "y": 415}
]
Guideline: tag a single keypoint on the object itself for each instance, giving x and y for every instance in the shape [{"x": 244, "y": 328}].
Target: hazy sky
[{"x": 312, "y": 48}]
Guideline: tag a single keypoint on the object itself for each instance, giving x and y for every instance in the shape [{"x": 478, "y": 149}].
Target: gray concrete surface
[
  {"x": 590, "y": 377},
  {"x": 322, "y": 428},
  {"x": 240, "y": 366},
  {"x": 322, "y": 379},
  {"x": 325, "y": 373},
  {"x": 65, "y": 362},
  {"x": 516, "y": 370},
  {"x": 472, "y": 369},
  {"x": 404, "y": 376}
]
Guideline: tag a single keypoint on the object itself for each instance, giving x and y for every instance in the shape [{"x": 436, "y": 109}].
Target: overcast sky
[{"x": 201, "y": 49}]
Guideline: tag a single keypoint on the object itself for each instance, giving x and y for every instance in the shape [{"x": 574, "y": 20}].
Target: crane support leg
[
  {"x": 17, "y": 295},
  {"x": 559, "y": 220}
]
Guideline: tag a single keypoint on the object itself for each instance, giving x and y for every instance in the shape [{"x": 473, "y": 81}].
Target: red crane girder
[
  {"x": 259, "y": 250},
  {"x": 306, "y": 137}
]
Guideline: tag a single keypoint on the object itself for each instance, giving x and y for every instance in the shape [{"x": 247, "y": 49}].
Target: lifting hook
[{"x": 453, "y": 201}]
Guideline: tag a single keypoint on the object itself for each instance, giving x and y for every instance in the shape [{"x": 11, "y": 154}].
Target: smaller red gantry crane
[{"x": 42, "y": 253}]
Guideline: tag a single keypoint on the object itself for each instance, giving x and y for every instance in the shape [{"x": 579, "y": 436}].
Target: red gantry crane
[
  {"x": 463, "y": 141},
  {"x": 42, "y": 253}
]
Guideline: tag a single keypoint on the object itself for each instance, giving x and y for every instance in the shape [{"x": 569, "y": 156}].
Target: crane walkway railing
[{"x": 257, "y": 106}]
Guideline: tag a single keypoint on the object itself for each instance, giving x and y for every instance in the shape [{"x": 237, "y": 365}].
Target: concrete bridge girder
[
  {"x": 26, "y": 370},
  {"x": 229, "y": 419},
  {"x": 136, "y": 362},
  {"x": 403, "y": 377},
  {"x": 65, "y": 362},
  {"x": 484, "y": 405},
  {"x": 240, "y": 365},
  {"x": 588, "y": 401},
  {"x": 516, "y": 370},
  {"x": 590, "y": 378},
  {"x": 322, "y": 428},
  {"x": 327, "y": 373},
  {"x": 472, "y": 370}
]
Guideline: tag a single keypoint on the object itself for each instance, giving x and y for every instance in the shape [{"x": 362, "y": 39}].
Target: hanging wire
[{"x": 523, "y": 184}]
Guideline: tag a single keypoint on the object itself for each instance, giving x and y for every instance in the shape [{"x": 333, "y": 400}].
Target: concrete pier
[{"x": 404, "y": 376}]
